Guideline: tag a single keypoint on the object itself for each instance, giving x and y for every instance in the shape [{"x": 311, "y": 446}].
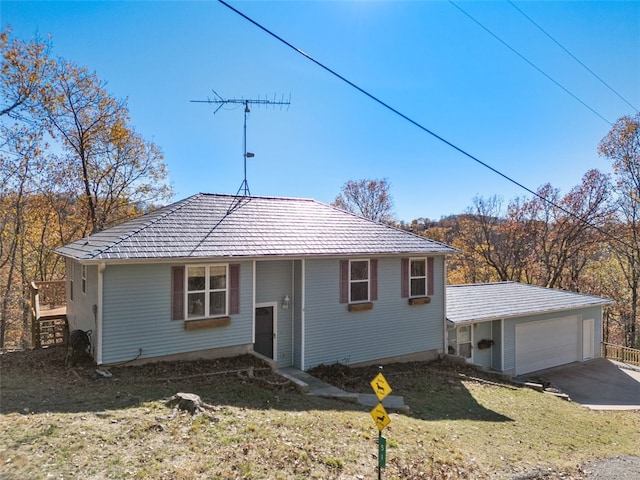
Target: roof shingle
[
  {"x": 493, "y": 301},
  {"x": 211, "y": 225}
]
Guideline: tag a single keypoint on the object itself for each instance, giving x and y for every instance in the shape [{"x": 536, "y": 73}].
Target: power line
[
  {"x": 572, "y": 55},
  {"x": 422, "y": 127},
  {"x": 565, "y": 89}
]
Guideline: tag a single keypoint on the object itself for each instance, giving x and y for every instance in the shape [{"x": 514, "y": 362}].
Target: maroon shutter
[
  {"x": 234, "y": 288},
  {"x": 177, "y": 293},
  {"x": 373, "y": 279},
  {"x": 430, "y": 276},
  {"x": 344, "y": 281},
  {"x": 404, "y": 280}
]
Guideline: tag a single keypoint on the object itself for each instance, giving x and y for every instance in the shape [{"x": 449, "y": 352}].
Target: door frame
[{"x": 274, "y": 306}]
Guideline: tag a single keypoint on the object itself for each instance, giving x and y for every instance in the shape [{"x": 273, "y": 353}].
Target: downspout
[
  {"x": 293, "y": 311},
  {"x": 302, "y": 308},
  {"x": 502, "y": 344},
  {"x": 253, "y": 309},
  {"x": 445, "y": 337},
  {"x": 99, "y": 317}
]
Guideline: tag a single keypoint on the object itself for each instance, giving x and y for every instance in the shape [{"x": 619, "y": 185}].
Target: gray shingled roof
[
  {"x": 492, "y": 301},
  {"x": 208, "y": 225}
]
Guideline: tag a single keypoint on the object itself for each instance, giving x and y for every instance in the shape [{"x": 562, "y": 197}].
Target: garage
[
  {"x": 547, "y": 344},
  {"x": 517, "y": 328}
]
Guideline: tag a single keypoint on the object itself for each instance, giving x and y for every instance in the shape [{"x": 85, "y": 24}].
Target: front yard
[{"x": 63, "y": 422}]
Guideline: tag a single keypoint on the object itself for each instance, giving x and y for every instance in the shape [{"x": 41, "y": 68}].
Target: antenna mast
[{"x": 220, "y": 102}]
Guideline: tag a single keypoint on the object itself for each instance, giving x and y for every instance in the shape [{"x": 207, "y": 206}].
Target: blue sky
[{"x": 426, "y": 59}]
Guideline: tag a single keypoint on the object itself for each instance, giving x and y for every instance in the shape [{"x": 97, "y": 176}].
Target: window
[
  {"x": 418, "y": 277},
  {"x": 464, "y": 341},
  {"x": 206, "y": 294},
  {"x": 358, "y": 281},
  {"x": 213, "y": 288},
  {"x": 84, "y": 279}
]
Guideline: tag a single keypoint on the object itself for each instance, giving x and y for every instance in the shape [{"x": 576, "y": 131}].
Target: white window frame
[
  {"x": 425, "y": 277},
  {"x": 368, "y": 280},
  {"x": 206, "y": 291},
  {"x": 466, "y": 339},
  {"x": 83, "y": 280}
]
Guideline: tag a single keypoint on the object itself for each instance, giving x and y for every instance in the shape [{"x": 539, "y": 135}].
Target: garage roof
[{"x": 484, "y": 302}]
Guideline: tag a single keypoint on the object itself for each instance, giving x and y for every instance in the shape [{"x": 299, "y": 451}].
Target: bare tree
[
  {"x": 111, "y": 165},
  {"x": 622, "y": 147},
  {"x": 368, "y": 198}
]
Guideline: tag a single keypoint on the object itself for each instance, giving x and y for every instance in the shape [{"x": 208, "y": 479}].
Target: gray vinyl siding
[
  {"x": 273, "y": 282},
  {"x": 583, "y": 314},
  {"x": 391, "y": 328},
  {"x": 80, "y": 313},
  {"x": 137, "y": 315},
  {"x": 482, "y": 357},
  {"x": 496, "y": 350}
]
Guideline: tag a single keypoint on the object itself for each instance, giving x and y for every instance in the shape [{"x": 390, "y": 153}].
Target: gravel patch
[{"x": 616, "y": 468}]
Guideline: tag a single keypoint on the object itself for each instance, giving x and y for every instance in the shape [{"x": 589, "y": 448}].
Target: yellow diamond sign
[
  {"x": 380, "y": 386},
  {"x": 380, "y": 416}
]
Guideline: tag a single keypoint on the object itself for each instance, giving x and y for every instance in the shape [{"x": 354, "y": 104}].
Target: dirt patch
[
  {"x": 44, "y": 380},
  {"x": 401, "y": 376}
]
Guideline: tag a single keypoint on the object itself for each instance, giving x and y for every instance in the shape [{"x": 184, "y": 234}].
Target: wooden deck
[
  {"x": 49, "y": 324},
  {"x": 622, "y": 354}
]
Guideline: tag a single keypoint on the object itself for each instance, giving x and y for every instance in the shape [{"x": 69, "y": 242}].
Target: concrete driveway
[{"x": 599, "y": 384}]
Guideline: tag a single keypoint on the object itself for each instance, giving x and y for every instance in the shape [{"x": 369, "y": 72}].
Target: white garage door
[{"x": 546, "y": 344}]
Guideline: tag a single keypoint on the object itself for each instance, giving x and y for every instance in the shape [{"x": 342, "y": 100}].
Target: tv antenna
[{"x": 220, "y": 102}]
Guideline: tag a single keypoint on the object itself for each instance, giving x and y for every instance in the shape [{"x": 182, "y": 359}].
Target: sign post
[
  {"x": 381, "y": 388},
  {"x": 382, "y": 451}
]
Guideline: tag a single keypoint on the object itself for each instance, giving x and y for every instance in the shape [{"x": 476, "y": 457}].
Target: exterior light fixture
[{"x": 286, "y": 302}]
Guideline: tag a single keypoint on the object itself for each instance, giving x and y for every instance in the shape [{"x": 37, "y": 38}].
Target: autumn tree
[
  {"x": 25, "y": 71},
  {"x": 368, "y": 198},
  {"x": 112, "y": 166},
  {"x": 70, "y": 164},
  {"x": 622, "y": 147}
]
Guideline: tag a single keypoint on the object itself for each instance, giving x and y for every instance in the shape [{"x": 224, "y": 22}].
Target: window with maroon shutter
[
  {"x": 344, "y": 281},
  {"x": 205, "y": 291},
  {"x": 373, "y": 278},
  {"x": 417, "y": 279},
  {"x": 177, "y": 293},
  {"x": 404, "y": 277},
  {"x": 358, "y": 281},
  {"x": 234, "y": 289}
]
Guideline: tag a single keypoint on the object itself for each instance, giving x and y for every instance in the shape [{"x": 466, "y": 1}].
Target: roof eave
[{"x": 529, "y": 313}]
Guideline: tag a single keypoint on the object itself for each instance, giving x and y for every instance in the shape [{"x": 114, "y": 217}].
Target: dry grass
[{"x": 59, "y": 422}]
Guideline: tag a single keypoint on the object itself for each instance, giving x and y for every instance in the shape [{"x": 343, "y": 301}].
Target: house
[
  {"x": 516, "y": 328},
  {"x": 295, "y": 280}
]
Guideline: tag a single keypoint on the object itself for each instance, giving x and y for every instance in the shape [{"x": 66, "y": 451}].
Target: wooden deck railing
[
  {"x": 621, "y": 354},
  {"x": 48, "y": 313}
]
